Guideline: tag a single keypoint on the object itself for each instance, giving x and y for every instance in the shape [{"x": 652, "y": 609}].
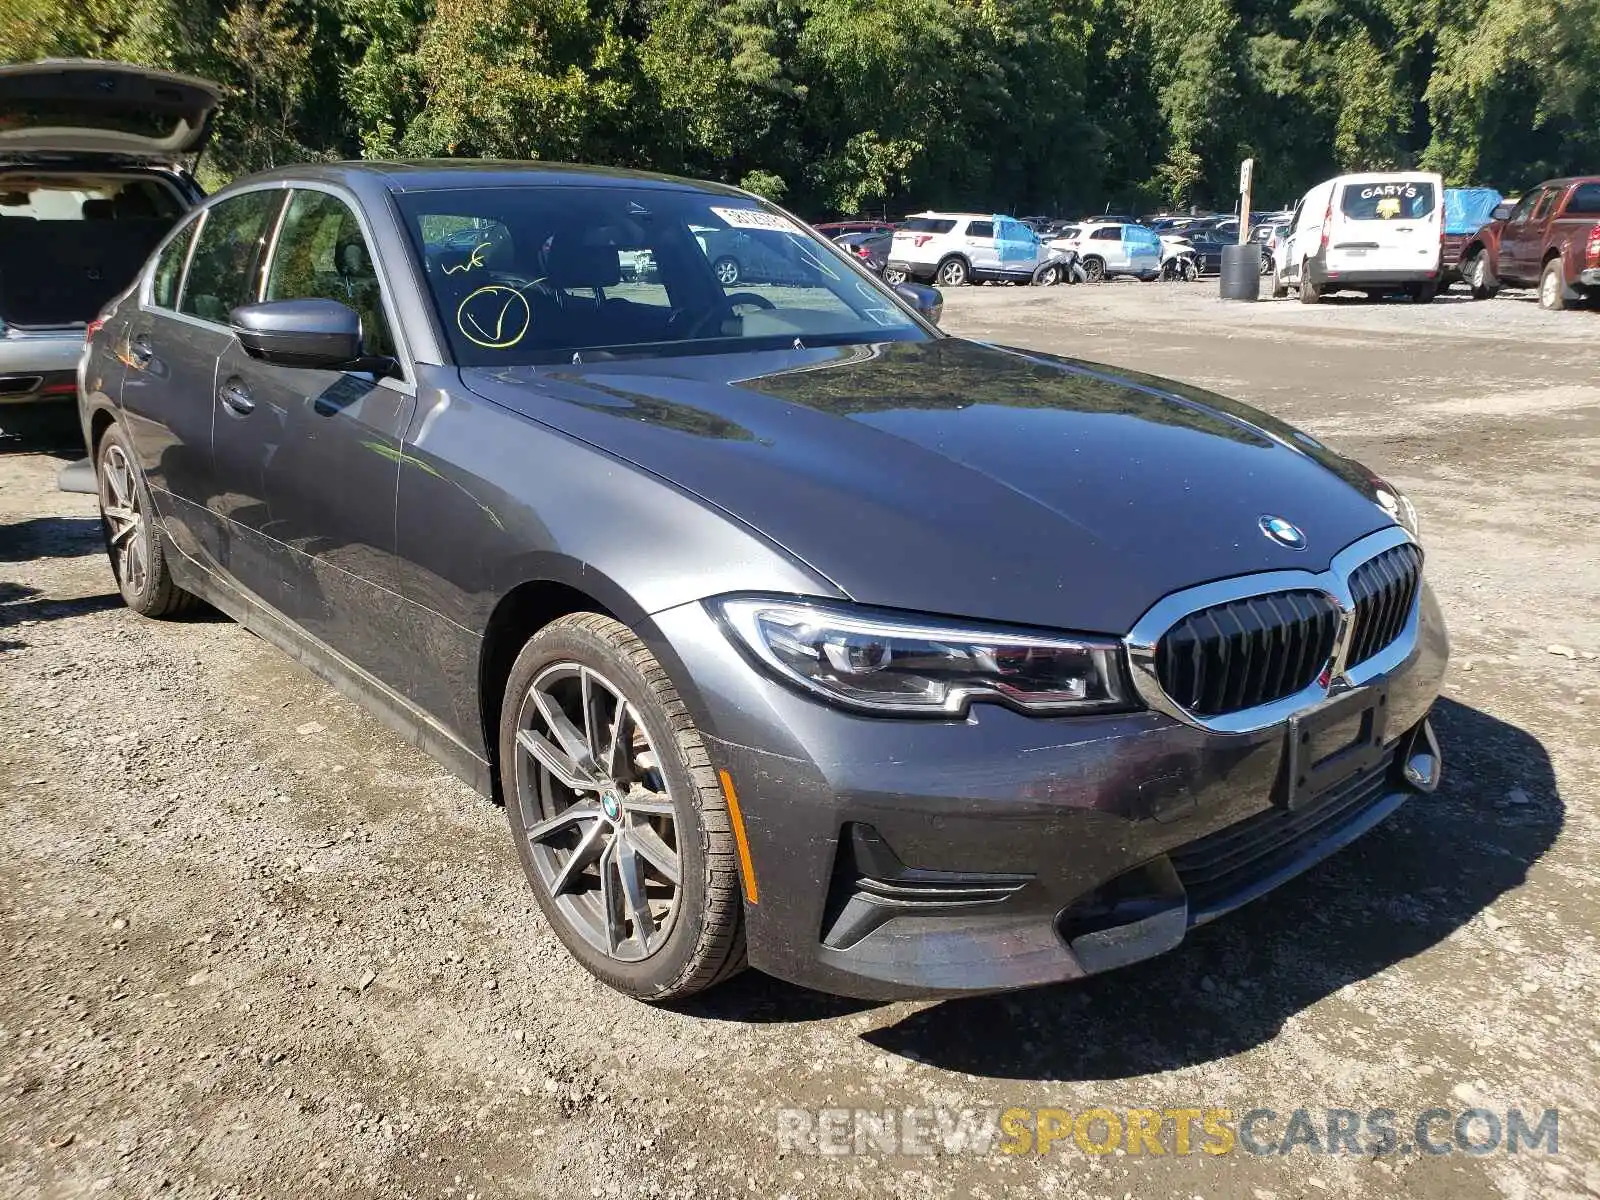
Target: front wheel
[
  {"x": 1480, "y": 278},
  {"x": 894, "y": 276},
  {"x": 133, "y": 539},
  {"x": 727, "y": 270},
  {"x": 1048, "y": 277},
  {"x": 619, "y": 821}
]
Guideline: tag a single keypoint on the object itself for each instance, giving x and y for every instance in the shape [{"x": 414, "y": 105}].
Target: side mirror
[
  {"x": 1502, "y": 212},
  {"x": 299, "y": 333},
  {"x": 926, "y": 300}
]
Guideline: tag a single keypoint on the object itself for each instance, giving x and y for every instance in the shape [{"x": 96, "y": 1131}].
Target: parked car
[
  {"x": 1549, "y": 239},
  {"x": 1375, "y": 233},
  {"x": 833, "y": 230},
  {"x": 1114, "y": 249},
  {"x": 952, "y": 249},
  {"x": 787, "y": 628},
  {"x": 871, "y": 248},
  {"x": 1208, "y": 245},
  {"x": 737, "y": 256},
  {"x": 1466, "y": 210},
  {"x": 96, "y": 165}
]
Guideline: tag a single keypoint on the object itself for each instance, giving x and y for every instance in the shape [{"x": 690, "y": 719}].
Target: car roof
[
  {"x": 420, "y": 175},
  {"x": 970, "y": 216}
]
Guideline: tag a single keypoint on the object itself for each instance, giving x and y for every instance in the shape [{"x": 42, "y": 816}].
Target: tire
[
  {"x": 1424, "y": 293},
  {"x": 659, "y": 804},
  {"x": 1480, "y": 279},
  {"x": 727, "y": 270},
  {"x": 1553, "y": 287},
  {"x": 1266, "y": 264},
  {"x": 1048, "y": 277},
  {"x": 134, "y": 542},
  {"x": 1094, "y": 269},
  {"x": 1310, "y": 293},
  {"x": 1280, "y": 289},
  {"x": 894, "y": 276},
  {"x": 953, "y": 272}
]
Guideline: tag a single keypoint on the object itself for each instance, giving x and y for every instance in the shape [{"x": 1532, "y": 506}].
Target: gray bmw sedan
[{"x": 789, "y": 630}]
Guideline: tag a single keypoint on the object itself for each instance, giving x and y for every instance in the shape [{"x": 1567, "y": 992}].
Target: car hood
[
  {"x": 976, "y": 481},
  {"x": 78, "y": 106}
]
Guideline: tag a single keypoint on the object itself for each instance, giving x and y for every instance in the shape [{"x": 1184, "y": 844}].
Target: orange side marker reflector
[{"x": 734, "y": 815}]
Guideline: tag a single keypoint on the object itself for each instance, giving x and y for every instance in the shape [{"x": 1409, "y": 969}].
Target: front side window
[
  {"x": 1546, "y": 198},
  {"x": 227, "y": 257},
  {"x": 1403, "y": 200},
  {"x": 548, "y": 272},
  {"x": 169, "y": 268},
  {"x": 322, "y": 255},
  {"x": 1107, "y": 233}
]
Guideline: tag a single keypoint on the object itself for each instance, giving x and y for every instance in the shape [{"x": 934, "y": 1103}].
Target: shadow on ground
[
  {"x": 1400, "y": 890},
  {"x": 51, "y": 537}
]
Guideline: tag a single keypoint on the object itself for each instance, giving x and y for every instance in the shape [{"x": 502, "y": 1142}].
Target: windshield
[{"x": 524, "y": 275}]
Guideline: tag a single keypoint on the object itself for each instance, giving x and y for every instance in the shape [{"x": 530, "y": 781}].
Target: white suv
[
  {"x": 951, "y": 249},
  {"x": 1113, "y": 248}
]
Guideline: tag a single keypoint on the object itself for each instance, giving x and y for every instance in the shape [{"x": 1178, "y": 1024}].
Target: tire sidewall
[
  {"x": 657, "y": 973},
  {"x": 149, "y": 530}
]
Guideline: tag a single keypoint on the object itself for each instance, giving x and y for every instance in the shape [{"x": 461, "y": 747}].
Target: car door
[
  {"x": 175, "y": 337},
  {"x": 322, "y": 447},
  {"x": 1517, "y": 248},
  {"x": 1106, "y": 241},
  {"x": 1018, "y": 251},
  {"x": 979, "y": 246}
]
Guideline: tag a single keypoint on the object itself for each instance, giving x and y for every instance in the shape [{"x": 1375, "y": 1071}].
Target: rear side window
[
  {"x": 1585, "y": 201},
  {"x": 1403, "y": 200},
  {"x": 222, "y": 271},
  {"x": 928, "y": 225},
  {"x": 169, "y": 269}
]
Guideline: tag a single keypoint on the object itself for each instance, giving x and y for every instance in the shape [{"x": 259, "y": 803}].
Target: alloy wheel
[
  {"x": 1550, "y": 289},
  {"x": 894, "y": 277},
  {"x": 126, "y": 534},
  {"x": 597, "y": 811},
  {"x": 727, "y": 272},
  {"x": 953, "y": 273}
]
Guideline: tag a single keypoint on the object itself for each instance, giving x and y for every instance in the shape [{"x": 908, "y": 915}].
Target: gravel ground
[{"x": 254, "y": 945}]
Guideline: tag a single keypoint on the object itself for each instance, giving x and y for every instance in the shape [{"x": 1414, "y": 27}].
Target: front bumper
[{"x": 900, "y": 858}]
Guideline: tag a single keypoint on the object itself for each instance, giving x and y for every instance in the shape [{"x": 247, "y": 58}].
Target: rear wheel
[
  {"x": 1280, "y": 289},
  {"x": 894, "y": 276},
  {"x": 619, "y": 821},
  {"x": 1552, "y": 287},
  {"x": 1479, "y": 278},
  {"x": 727, "y": 269},
  {"x": 133, "y": 538},
  {"x": 1424, "y": 293},
  {"x": 1310, "y": 293},
  {"x": 1094, "y": 269},
  {"x": 953, "y": 272}
]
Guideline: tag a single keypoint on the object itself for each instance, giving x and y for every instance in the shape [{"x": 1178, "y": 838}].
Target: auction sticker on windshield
[{"x": 754, "y": 218}]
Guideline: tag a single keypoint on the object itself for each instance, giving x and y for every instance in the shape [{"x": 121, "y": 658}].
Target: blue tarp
[
  {"x": 1466, "y": 210},
  {"x": 1014, "y": 241}
]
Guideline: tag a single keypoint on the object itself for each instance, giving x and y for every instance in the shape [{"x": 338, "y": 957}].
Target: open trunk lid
[{"x": 84, "y": 106}]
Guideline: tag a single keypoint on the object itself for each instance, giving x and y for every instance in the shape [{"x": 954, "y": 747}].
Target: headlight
[
  {"x": 1395, "y": 502},
  {"x": 880, "y": 664}
]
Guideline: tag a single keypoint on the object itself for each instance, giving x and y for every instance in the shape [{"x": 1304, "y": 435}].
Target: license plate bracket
[{"x": 1326, "y": 745}]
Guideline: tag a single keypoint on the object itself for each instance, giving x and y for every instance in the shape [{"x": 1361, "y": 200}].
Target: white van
[{"x": 1374, "y": 233}]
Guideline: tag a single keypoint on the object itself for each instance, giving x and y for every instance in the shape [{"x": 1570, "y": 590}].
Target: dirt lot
[{"x": 254, "y": 945}]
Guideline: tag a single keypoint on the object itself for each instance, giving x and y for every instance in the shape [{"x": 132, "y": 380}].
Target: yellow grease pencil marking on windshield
[
  {"x": 472, "y": 260},
  {"x": 492, "y": 324}
]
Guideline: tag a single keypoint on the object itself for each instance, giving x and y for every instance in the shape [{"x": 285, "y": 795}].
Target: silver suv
[
  {"x": 951, "y": 249},
  {"x": 96, "y": 165}
]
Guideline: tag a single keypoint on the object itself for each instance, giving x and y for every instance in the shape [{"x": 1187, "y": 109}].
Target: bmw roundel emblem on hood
[{"x": 1285, "y": 533}]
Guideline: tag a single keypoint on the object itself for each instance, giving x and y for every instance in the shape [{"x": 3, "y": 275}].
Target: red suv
[{"x": 1550, "y": 239}]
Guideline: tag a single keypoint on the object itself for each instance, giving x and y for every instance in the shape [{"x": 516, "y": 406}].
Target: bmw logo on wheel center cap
[
  {"x": 611, "y": 803},
  {"x": 1285, "y": 533}
]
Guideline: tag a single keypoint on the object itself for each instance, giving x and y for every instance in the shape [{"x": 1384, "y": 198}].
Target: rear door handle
[
  {"x": 236, "y": 396},
  {"x": 141, "y": 350}
]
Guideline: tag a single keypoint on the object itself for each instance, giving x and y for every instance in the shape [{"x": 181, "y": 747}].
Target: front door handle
[{"x": 236, "y": 396}]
